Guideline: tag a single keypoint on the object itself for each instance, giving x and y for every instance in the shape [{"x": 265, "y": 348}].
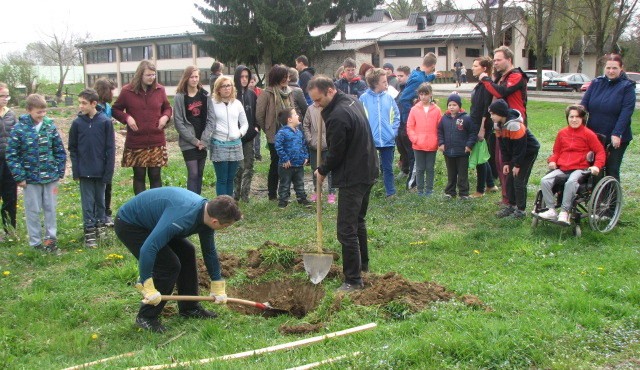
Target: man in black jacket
[
  {"x": 353, "y": 160},
  {"x": 248, "y": 98}
]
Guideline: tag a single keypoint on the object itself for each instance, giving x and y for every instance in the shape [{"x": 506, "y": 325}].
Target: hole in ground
[{"x": 295, "y": 296}]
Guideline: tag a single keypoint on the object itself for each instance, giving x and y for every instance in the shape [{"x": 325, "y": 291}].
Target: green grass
[{"x": 556, "y": 301}]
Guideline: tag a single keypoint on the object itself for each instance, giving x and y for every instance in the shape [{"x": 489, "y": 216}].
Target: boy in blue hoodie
[
  {"x": 36, "y": 157},
  {"x": 293, "y": 156},
  {"x": 456, "y": 137},
  {"x": 92, "y": 152}
]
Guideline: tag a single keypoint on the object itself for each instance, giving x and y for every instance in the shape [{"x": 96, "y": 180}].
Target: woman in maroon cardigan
[{"x": 143, "y": 106}]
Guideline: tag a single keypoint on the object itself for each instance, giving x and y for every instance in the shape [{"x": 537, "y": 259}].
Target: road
[{"x": 443, "y": 90}]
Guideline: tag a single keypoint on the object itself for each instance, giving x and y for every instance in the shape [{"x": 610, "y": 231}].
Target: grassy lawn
[{"x": 553, "y": 301}]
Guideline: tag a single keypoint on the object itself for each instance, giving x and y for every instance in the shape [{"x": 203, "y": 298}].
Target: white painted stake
[
  {"x": 323, "y": 362},
  {"x": 87, "y": 364},
  {"x": 278, "y": 347}
]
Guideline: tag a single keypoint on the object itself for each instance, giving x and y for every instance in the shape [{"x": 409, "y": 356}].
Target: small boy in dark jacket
[
  {"x": 92, "y": 152},
  {"x": 293, "y": 156},
  {"x": 519, "y": 149},
  {"x": 456, "y": 136}
]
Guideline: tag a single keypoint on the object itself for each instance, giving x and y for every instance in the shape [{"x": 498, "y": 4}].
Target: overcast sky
[{"x": 25, "y": 21}]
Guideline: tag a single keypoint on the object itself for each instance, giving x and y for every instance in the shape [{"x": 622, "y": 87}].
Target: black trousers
[
  {"x": 9, "y": 194},
  {"x": 457, "y": 175},
  {"x": 405, "y": 149},
  {"x": 273, "y": 177},
  {"x": 175, "y": 263},
  {"x": 353, "y": 202},
  {"x": 517, "y": 185},
  {"x": 614, "y": 160}
]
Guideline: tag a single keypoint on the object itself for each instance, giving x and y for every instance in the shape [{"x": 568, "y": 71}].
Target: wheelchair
[{"x": 598, "y": 199}]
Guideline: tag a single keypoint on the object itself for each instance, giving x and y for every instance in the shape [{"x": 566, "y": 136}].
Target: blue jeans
[
  {"x": 225, "y": 173},
  {"x": 287, "y": 176},
  {"x": 386, "y": 166},
  {"x": 92, "y": 199}
]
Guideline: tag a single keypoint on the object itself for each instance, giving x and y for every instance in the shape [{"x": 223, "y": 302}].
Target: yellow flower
[
  {"x": 600, "y": 268},
  {"x": 114, "y": 256},
  {"x": 476, "y": 251},
  {"x": 20, "y": 253},
  {"x": 6, "y": 273},
  {"x": 94, "y": 336},
  {"x": 417, "y": 243}
]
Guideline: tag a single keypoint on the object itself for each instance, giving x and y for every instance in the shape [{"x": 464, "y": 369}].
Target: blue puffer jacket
[
  {"x": 610, "y": 104},
  {"x": 92, "y": 147},
  {"x": 290, "y": 146},
  {"x": 410, "y": 92},
  {"x": 37, "y": 157},
  {"x": 456, "y": 133},
  {"x": 384, "y": 117}
]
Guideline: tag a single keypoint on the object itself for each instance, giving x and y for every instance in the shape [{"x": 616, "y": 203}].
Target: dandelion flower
[
  {"x": 20, "y": 253},
  {"x": 94, "y": 336},
  {"x": 6, "y": 273},
  {"x": 476, "y": 251}
]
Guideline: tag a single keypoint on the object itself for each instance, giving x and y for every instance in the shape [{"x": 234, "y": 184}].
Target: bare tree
[
  {"x": 59, "y": 49},
  {"x": 489, "y": 21},
  {"x": 542, "y": 17}
]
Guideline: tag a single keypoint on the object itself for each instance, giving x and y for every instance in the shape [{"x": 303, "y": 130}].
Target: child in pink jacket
[{"x": 422, "y": 129}]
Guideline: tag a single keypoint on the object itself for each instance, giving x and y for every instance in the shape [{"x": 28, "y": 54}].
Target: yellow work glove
[
  {"x": 219, "y": 291},
  {"x": 149, "y": 292}
]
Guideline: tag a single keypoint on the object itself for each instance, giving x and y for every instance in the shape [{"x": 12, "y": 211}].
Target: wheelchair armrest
[{"x": 591, "y": 157}]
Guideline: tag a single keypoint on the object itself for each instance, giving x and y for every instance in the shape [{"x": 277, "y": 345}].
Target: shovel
[
  {"x": 266, "y": 307},
  {"x": 317, "y": 265}
]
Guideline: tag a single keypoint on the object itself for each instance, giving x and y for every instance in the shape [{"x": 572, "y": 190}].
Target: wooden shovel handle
[
  {"x": 319, "y": 192},
  {"x": 198, "y": 298}
]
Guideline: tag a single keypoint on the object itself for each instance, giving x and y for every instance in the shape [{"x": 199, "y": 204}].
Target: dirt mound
[
  {"x": 298, "y": 297},
  {"x": 303, "y": 328}
]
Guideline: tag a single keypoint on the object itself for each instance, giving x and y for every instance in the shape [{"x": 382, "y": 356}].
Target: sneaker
[
  {"x": 505, "y": 211},
  {"x": 477, "y": 194},
  {"x": 563, "y": 217},
  {"x": 465, "y": 197},
  {"x": 51, "y": 246},
  {"x": 348, "y": 288},
  {"x": 152, "y": 324},
  {"x": 283, "y": 204},
  {"x": 304, "y": 202},
  {"x": 198, "y": 313},
  {"x": 313, "y": 197},
  {"x": 108, "y": 221},
  {"x": 549, "y": 214},
  {"x": 518, "y": 214},
  {"x": 90, "y": 235},
  {"x": 331, "y": 198},
  {"x": 448, "y": 197},
  {"x": 493, "y": 189}
]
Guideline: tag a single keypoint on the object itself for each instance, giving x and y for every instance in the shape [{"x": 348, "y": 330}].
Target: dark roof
[{"x": 511, "y": 14}]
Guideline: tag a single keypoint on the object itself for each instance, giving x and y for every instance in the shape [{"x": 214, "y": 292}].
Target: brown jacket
[
  {"x": 310, "y": 125},
  {"x": 267, "y": 111}
]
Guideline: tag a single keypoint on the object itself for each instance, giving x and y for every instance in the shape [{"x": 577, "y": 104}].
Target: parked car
[
  {"x": 566, "y": 82},
  {"x": 634, "y": 76},
  {"x": 533, "y": 77}
]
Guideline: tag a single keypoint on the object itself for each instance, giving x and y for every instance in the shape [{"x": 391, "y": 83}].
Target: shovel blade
[{"x": 317, "y": 265}]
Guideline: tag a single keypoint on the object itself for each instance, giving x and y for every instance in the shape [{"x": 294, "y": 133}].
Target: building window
[
  {"x": 169, "y": 78},
  {"x": 471, "y": 53},
  {"x": 202, "y": 53},
  {"x": 136, "y": 53},
  {"x": 91, "y": 78},
  {"x": 127, "y": 77},
  {"x": 398, "y": 53},
  {"x": 175, "y": 51},
  {"x": 429, "y": 50},
  {"x": 101, "y": 56},
  {"x": 442, "y": 51},
  {"x": 524, "y": 53}
]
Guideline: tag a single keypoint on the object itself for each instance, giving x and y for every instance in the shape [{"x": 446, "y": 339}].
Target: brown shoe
[
  {"x": 493, "y": 189},
  {"x": 477, "y": 195}
]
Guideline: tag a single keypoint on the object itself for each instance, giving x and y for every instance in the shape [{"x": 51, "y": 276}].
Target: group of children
[{"x": 36, "y": 157}]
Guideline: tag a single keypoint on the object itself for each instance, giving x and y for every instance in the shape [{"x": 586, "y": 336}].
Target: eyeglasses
[
  {"x": 5, "y": 97},
  {"x": 225, "y": 86},
  {"x": 153, "y": 75}
]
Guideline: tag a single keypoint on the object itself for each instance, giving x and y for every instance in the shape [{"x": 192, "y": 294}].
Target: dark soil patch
[
  {"x": 303, "y": 328},
  {"x": 301, "y": 297}
]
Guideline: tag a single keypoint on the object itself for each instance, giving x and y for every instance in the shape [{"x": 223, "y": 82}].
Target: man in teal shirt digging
[{"x": 154, "y": 225}]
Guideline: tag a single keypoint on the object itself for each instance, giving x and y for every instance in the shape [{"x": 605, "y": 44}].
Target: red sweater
[
  {"x": 571, "y": 148},
  {"x": 146, "y": 108}
]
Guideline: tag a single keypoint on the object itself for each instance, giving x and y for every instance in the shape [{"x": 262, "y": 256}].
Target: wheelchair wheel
[{"x": 605, "y": 205}]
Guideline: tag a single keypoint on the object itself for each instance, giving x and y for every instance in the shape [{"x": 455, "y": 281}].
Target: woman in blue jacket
[
  {"x": 384, "y": 119},
  {"x": 610, "y": 101}
]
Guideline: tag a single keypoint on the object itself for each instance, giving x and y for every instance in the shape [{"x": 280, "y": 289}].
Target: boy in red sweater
[{"x": 570, "y": 157}]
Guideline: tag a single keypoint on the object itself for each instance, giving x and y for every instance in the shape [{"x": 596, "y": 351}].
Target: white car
[{"x": 547, "y": 74}]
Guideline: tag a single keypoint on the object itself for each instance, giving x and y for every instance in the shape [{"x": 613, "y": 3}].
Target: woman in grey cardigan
[{"x": 193, "y": 117}]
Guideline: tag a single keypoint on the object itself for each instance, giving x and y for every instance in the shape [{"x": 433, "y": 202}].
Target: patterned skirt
[{"x": 147, "y": 157}]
